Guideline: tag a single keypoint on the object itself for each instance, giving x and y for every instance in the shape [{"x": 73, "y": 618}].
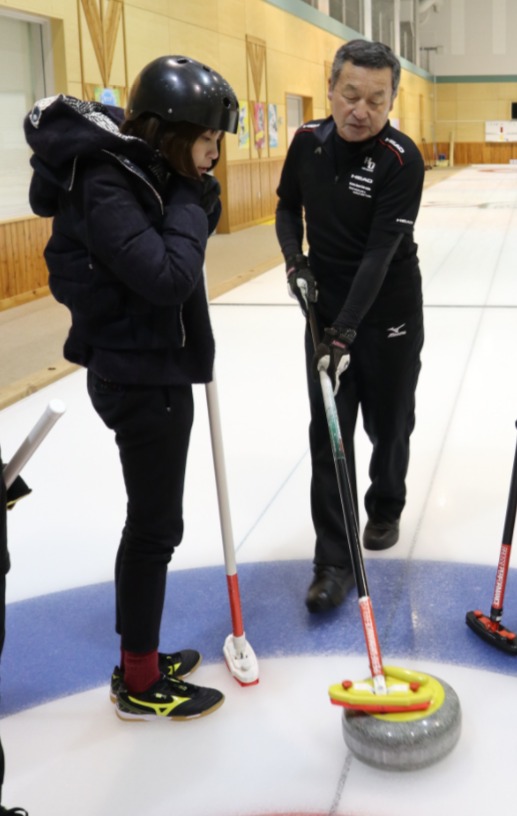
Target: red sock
[{"x": 140, "y": 670}]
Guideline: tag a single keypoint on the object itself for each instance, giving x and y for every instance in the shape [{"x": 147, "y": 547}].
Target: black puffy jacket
[{"x": 127, "y": 247}]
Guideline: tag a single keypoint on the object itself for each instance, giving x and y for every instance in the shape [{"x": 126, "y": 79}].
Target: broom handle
[
  {"x": 511, "y": 509},
  {"x": 351, "y": 527},
  {"x": 343, "y": 478},
  {"x": 214, "y": 418},
  {"x": 223, "y": 500},
  {"x": 46, "y": 422},
  {"x": 344, "y": 486},
  {"x": 496, "y": 611}
]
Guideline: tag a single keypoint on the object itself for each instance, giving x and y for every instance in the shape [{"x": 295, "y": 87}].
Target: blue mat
[{"x": 64, "y": 643}]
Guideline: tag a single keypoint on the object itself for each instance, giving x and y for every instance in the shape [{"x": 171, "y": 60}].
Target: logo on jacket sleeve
[{"x": 395, "y": 144}]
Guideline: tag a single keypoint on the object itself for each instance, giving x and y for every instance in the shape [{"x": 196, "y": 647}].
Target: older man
[{"x": 354, "y": 183}]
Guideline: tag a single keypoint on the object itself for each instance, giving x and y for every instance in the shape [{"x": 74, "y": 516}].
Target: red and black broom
[{"x": 490, "y": 627}]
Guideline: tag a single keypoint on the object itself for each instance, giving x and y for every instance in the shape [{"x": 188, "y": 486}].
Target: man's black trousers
[{"x": 381, "y": 379}]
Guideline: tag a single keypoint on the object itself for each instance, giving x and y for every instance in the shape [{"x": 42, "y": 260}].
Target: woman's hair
[
  {"x": 366, "y": 54},
  {"x": 174, "y": 140}
]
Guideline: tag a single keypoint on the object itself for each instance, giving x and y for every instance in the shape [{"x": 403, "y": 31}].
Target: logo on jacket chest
[{"x": 361, "y": 181}]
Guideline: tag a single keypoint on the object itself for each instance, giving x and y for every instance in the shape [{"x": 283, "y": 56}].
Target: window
[
  {"x": 407, "y": 41},
  {"x": 348, "y": 12},
  {"x": 294, "y": 111},
  {"x": 383, "y": 22},
  {"x": 354, "y": 17},
  {"x": 337, "y": 10},
  {"x": 408, "y": 15}
]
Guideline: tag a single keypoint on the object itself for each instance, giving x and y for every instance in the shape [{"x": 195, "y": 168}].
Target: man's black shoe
[
  {"x": 329, "y": 588},
  {"x": 380, "y": 535}
]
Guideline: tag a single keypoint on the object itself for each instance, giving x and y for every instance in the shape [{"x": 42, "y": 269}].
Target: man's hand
[
  {"x": 300, "y": 279},
  {"x": 333, "y": 355}
]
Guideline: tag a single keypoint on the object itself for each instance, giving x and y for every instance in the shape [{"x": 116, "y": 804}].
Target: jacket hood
[{"x": 62, "y": 128}]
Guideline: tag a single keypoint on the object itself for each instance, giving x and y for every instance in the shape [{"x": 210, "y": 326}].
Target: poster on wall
[
  {"x": 272, "y": 122},
  {"x": 108, "y": 96},
  {"x": 259, "y": 124},
  {"x": 501, "y": 131},
  {"x": 244, "y": 128}
]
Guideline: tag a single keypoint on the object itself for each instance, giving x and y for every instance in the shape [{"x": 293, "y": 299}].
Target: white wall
[{"x": 21, "y": 82}]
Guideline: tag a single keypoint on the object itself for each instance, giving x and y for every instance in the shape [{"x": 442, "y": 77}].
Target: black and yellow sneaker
[
  {"x": 177, "y": 664},
  {"x": 169, "y": 698}
]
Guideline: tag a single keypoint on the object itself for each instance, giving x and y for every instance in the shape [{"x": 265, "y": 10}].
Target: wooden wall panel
[
  {"x": 484, "y": 152},
  {"x": 256, "y": 193},
  {"x": 239, "y": 195},
  {"x": 23, "y": 273},
  {"x": 477, "y": 152},
  {"x": 265, "y": 189},
  {"x": 252, "y": 191},
  {"x": 275, "y": 169}
]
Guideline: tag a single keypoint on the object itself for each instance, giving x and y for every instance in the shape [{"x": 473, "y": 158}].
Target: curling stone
[{"x": 406, "y": 741}]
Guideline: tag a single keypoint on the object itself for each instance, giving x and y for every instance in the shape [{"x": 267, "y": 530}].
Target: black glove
[
  {"x": 302, "y": 284},
  {"x": 332, "y": 355},
  {"x": 210, "y": 192},
  {"x": 18, "y": 490}
]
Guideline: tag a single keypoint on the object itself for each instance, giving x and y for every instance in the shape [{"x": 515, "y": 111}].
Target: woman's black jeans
[{"x": 152, "y": 430}]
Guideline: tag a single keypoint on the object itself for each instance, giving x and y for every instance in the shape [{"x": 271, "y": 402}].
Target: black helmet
[{"x": 179, "y": 89}]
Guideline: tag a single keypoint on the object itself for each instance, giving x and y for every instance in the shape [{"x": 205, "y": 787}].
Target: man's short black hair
[{"x": 366, "y": 54}]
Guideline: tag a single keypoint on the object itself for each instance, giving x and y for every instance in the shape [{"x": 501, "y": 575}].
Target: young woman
[{"x": 133, "y": 205}]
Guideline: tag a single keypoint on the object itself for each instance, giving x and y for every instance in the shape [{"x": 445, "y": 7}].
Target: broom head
[{"x": 406, "y": 691}]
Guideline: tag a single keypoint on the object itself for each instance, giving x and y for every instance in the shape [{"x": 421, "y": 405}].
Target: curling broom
[
  {"x": 390, "y": 689},
  {"x": 239, "y": 655},
  {"x": 490, "y": 627}
]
